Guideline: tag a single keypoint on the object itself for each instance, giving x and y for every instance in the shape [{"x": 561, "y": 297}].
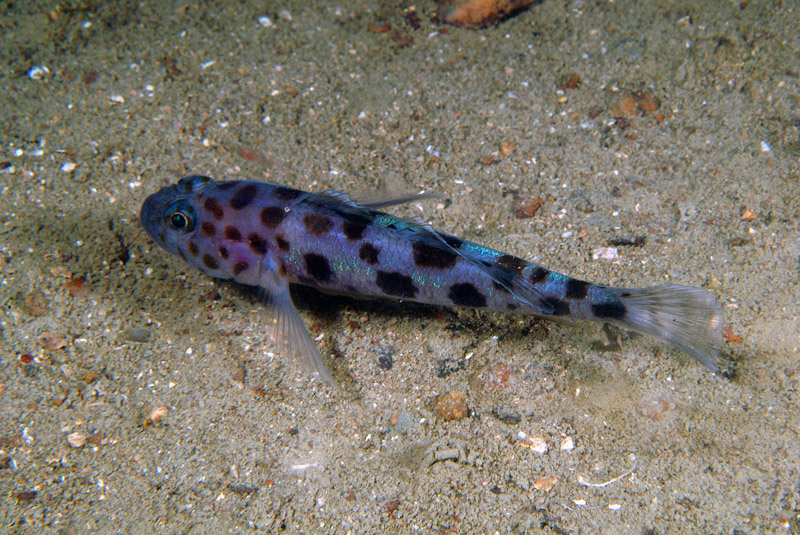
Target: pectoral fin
[{"x": 286, "y": 328}]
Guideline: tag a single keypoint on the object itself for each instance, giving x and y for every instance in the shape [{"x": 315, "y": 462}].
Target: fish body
[{"x": 270, "y": 235}]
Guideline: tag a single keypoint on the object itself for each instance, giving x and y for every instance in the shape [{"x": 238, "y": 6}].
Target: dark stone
[{"x": 506, "y": 415}]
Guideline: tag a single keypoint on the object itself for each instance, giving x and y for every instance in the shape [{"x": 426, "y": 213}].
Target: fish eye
[{"x": 180, "y": 216}]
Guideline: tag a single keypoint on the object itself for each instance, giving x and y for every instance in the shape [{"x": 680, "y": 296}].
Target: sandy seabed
[{"x": 139, "y": 396}]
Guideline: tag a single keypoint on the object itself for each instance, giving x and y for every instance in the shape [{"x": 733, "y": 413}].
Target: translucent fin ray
[
  {"x": 689, "y": 318},
  {"x": 286, "y": 328}
]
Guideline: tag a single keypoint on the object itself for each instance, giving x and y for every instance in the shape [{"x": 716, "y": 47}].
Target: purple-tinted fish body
[{"x": 270, "y": 235}]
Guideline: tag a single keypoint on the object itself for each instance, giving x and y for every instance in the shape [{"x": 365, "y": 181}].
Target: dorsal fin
[{"x": 370, "y": 202}]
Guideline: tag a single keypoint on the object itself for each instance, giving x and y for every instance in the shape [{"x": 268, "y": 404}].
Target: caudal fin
[{"x": 689, "y": 318}]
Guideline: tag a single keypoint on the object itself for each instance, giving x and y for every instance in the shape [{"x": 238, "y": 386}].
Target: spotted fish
[{"x": 269, "y": 235}]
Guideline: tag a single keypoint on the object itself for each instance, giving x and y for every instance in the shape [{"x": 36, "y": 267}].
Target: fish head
[{"x": 173, "y": 217}]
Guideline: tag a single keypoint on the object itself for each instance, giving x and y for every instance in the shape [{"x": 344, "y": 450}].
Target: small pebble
[
  {"x": 497, "y": 377},
  {"x": 155, "y": 415},
  {"x": 546, "y": 483},
  {"x": 632, "y": 103},
  {"x": 478, "y": 13},
  {"x": 238, "y": 374},
  {"x": 452, "y": 406},
  {"x": 653, "y": 410},
  {"x": 605, "y": 253},
  {"x": 137, "y": 334},
  {"x": 76, "y": 440},
  {"x": 526, "y": 208},
  {"x": 38, "y": 72},
  {"x": 52, "y": 341},
  {"x": 537, "y": 444},
  {"x": 403, "y": 423}
]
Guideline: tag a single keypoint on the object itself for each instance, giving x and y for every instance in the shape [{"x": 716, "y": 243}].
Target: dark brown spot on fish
[
  {"x": 223, "y": 252},
  {"x": 208, "y": 228},
  {"x": 427, "y": 255},
  {"x": 161, "y": 236},
  {"x": 511, "y": 263},
  {"x": 500, "y": 287},
  {"x": 286, "y": 194},
  {"x": 193, "y": 250},
  {"x": 611, "y": 309},
  {"x": 467, "y": 295},
  {"x": 538, "y": 274},
  {"x": 282, "y": 270},
  {"x": 577, "y": 289},
  {"x": 354, "y": 229},
  {"x": 560, "y": 308},
  {"x": 318, "y": 267},
  {"x": 257, "y": 243},
  {"x": 232, "y": 233},
  {"x": 452, "y": 241},
  {"x": 182, "y": 254},
  {"x": 369, "y": 253},
  {"x": 353, "y": 215},
  {"x": 317, "y": 224},
  {"x": 272, "y": 216},
  {"x": 210, "y": 262},
  {"x": 243, "y": 196},
  {"x": 213, "y": 206},
  {"x": 396, "y": 284},
  {"x": 240, "y": 266},
  {"x": 281, "y": 242}
]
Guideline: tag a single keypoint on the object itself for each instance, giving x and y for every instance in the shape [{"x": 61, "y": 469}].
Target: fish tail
[{"x": 689, "y": 318}]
